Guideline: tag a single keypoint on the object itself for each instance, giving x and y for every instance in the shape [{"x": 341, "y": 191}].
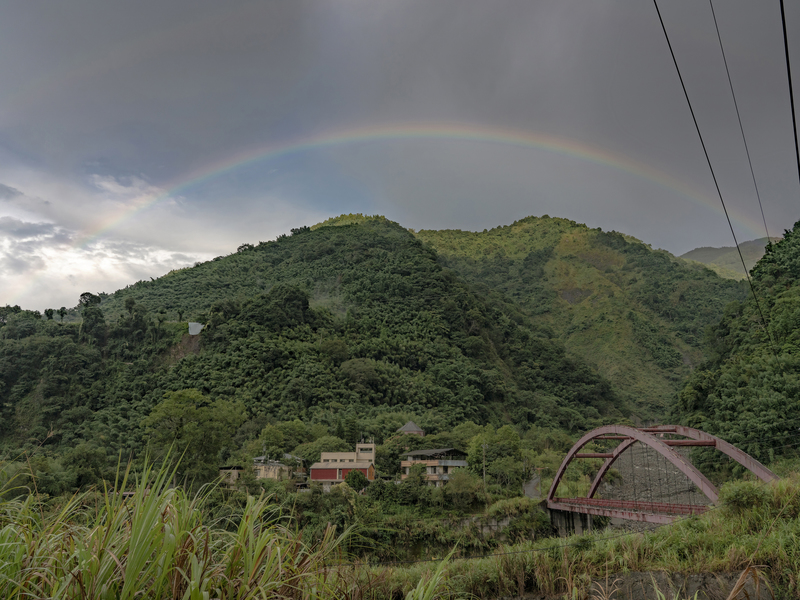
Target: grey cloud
[
  {"x": 18, "y": 265},
  {"x": 8, "y": 192},
  {"x": 18, "y": 229}
]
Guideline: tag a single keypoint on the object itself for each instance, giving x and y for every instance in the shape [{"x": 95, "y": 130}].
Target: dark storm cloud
[{"x": 156, "y": 86}]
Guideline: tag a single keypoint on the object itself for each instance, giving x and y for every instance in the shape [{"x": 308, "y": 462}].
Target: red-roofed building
[{"x": 333, "y": 467}]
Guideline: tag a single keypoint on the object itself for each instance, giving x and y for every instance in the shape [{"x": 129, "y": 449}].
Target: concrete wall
[{"x": 567, "y": 523}]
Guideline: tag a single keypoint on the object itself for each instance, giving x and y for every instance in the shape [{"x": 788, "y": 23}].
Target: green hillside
[
  {"x": 635, "y": 314},
  {"x": 356, "y": 324},
  {"x": 749, "y": 390},
  {"x": 725, "y": 261}
]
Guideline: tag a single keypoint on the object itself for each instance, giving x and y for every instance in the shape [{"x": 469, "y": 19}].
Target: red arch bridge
[{"x": 661, "y": 502}]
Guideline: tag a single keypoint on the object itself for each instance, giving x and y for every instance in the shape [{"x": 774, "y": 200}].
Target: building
[
  {"x": 364, "y": 452},
  {"x": 230, "y": 475},
  {"x": 333, "y": 467},
  {"x": 411, "y": 428},
  {"x": 264, "y": 468},
  {"x": 439, "y": 463}
]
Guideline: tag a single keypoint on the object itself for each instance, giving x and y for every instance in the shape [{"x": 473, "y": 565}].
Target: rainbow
[{"x": 417, "y": 132}]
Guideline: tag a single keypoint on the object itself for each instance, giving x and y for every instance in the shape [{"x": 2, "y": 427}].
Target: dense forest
[
  {"x": 635, "y": 314},
  {"x": 354, "y": 327},
  {"x": 749, "y": 390},
  {"x": 347, "y": 329}
]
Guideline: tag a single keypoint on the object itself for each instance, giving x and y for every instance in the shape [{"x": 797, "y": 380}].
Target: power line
[
  {"x": 714, "y": 177},
  {"x": 739, "y": 117},
  {"x": 791, "y": 89}
]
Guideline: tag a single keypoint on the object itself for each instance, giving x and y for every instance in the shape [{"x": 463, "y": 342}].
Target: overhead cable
[
  {"x": 791, "y": 89},
  {"x": 714, "y": 177},
  {"x": 739, "y": 117}
]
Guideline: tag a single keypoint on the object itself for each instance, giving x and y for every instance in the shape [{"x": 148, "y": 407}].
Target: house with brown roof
[{"x": 411, "y": 428}]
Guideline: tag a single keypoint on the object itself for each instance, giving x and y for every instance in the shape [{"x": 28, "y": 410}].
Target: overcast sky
[{"x": 143, "y": 136}]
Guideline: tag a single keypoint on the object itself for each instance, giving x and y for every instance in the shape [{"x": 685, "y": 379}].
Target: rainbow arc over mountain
[{"x": 419, "y": 132}]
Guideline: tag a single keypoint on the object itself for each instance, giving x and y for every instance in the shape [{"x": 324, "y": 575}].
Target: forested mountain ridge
[
  {"x": 749, "y": 390},
  {"x": 357, "y": 323},
  {"x": 725, "y": 261},
  {"x": 636, "y": 314}
]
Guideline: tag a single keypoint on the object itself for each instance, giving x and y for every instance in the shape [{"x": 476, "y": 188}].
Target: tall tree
[{"x": 196, "y": 428}]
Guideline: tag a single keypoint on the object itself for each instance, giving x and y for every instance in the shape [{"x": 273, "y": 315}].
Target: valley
[{"x": 503, "y": 346}]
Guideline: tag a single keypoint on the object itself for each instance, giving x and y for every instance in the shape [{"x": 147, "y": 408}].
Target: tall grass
[
  {"x": 153, "y": 543},
  {"x": 755, "y": 524}
]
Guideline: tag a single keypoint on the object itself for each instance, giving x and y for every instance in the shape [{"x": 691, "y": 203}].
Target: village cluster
[{"x": 333, "y": 467}]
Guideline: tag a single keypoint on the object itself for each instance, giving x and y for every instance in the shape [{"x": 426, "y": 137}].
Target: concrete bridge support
[{"x": 567, "y": 523}]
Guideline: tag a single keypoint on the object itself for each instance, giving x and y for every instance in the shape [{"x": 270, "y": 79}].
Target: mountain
[
  {"x": 361, "y": 322},
  {"x": 725, "y": 261},
  {"x": 357, "y": 323},
  {"x": 749, "y": 390},
  {"x": 635, "y": 314}
]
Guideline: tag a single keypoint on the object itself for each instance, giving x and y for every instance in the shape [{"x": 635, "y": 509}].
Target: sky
[{"x": 140, "y": 137}]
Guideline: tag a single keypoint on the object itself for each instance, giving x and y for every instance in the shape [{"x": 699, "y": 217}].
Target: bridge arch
[
  {"x": 636, "y": 435},
  {"x": 744, "y": 459}
]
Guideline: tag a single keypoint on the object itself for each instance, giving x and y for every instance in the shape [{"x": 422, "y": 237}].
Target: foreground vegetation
[
  {"x": 157, "y": 542},
  {"x": 754, "y": 525}
]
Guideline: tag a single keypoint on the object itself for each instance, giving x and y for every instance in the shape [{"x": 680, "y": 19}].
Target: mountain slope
[
  {"x": 749, "y": 391},
  {"x": 725, "y": 261},
  {"x": 356, "y": 323},
  {"x": 635, "y": 314}
]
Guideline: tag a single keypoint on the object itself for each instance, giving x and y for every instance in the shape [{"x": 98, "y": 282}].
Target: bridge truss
[{"x": 664, "y": 440}]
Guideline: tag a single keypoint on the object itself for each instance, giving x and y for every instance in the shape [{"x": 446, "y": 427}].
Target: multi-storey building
[
  {"x": 439, "y": 463},
  {"x": 333, "y": 467}
]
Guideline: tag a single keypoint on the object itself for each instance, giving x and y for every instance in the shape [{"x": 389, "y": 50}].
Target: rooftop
[
  {"x": 409, "y": 427},
  {"x": 436, "y": 452}
]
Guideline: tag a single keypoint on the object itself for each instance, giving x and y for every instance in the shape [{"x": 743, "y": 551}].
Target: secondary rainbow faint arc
[{"x": 428, "y": 131}]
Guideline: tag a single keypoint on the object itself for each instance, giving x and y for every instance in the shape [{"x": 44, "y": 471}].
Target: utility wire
[
  {"x": 714, "y": 177},
  {"x": 739, "y": 117},
  {"x": 791, "y": 89}
]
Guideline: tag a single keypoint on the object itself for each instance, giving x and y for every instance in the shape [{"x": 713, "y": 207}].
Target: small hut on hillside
[{"x": 411, "y": 428}]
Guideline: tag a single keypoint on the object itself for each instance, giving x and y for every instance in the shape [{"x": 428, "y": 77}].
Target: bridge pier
[{"x": 567, "y": 523}]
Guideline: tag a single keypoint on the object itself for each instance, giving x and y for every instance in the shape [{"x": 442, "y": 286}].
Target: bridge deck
[{"x": 635, "y": 510}]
